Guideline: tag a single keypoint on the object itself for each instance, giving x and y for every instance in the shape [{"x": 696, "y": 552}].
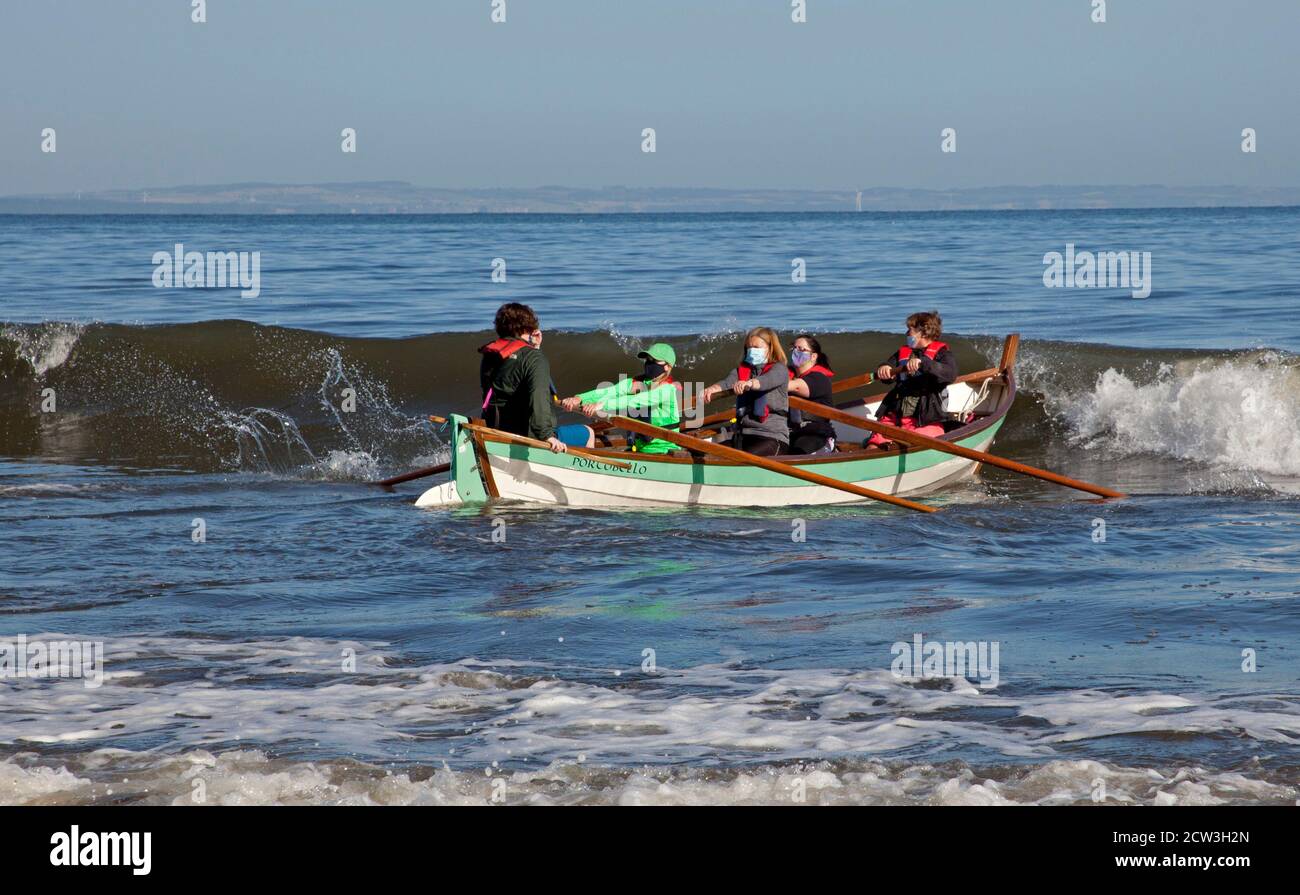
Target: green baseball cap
[{"x": 660, "y": 351}]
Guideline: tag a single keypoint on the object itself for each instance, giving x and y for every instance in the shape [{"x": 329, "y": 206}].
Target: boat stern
[{"x": 466, "y": 484}]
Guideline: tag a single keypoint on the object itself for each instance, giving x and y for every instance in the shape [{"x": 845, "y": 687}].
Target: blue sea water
[
  {"x": 324, "y": 641},
  {"x": 1221, "y": 278}
]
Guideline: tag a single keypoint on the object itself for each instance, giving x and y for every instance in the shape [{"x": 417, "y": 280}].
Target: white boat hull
[{"x": 532, "y": 483}]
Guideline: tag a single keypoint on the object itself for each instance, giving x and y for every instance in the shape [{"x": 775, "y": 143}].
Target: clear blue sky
[{"x": 740, "y": 96}]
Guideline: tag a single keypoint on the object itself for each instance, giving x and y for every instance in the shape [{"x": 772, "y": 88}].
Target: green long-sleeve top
[{"x": 632, "y": 398}]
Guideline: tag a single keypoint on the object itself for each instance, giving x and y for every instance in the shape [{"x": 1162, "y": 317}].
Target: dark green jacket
[{"x": 518, "y": 390}]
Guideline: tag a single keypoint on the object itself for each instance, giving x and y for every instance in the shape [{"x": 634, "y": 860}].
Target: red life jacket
[
  {"x": 503, "y": 348},
  {"x": 796, "y": 418},
  {"x": 816, "y": 368},
  {"x": 754, "y": 403},
  {"x": 929, "y": 351},
  {"x": 498, "y": 351}
]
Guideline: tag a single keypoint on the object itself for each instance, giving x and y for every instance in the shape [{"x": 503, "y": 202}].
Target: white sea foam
[
  {"x": 44, "y": 347},
  {"x": 593, "y": 736},
  {"x": 347, "y": 466},
  {"x": 28, "y": 785},
  {"x": 251, "y": 777},
  {"x": 294, "y": 694},
  {"x": 47, "y": 489},
  {"x": 1238, "y": 414}
]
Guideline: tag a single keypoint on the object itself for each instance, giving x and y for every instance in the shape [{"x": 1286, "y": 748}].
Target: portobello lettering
[{"x": 585, "y": 463}]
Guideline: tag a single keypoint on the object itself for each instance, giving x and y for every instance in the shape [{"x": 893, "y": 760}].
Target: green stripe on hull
[{"x": 647, "y": 469}]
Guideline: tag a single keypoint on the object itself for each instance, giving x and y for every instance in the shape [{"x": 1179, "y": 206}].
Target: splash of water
[
  {"x": 1237, "y": 414},
  {"x": 46, "y": 346}
]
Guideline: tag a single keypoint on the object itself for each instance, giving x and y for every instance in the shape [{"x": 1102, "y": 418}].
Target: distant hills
[{"x": 396, "y": 197}]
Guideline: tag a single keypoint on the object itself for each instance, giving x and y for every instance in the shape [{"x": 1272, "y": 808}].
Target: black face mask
[{"x": 653, "y": 370}]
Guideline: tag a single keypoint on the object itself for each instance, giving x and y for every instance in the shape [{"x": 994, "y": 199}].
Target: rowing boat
[{"x": 490, "y": 465}]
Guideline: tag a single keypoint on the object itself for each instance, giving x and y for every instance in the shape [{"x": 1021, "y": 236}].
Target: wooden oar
[
  {"x": 840, "y": 385},
  {"x": 728, "y": 453},
  {"x": 849, "y": 383},
  {"x": 924, "y": 441},
  {"x": 409, "y": 476},
  {"x": 446, "y": 467},
  {"x": 727, "y": 416},
  {"x": 498, "y": 435},
  {"x": 701, "y": 429}
]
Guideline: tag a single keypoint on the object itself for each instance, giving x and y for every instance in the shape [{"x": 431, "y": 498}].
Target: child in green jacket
[{"x": 652, "y": 397}]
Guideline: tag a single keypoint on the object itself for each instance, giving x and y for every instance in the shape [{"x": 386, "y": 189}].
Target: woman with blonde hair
[{"x": 760, "y": 384}]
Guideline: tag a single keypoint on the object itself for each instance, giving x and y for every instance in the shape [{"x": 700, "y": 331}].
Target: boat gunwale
[{"x": 961, "y": 433}]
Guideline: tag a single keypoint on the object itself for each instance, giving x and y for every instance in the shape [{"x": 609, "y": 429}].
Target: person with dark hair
[
  {"x": 922, "y": 370},
  {"x": 811, "y": 375},
  {"x": 516, "y": 381}
]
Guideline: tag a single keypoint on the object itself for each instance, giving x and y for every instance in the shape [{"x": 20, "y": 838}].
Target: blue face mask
[
  {"x": 911, "y": 341},
  {"x": 756, "y": 357},
  {"x": 799, "y": 358}
]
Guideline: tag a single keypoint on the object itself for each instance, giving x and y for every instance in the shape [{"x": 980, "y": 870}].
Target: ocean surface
[{"x": 183, "y": 485}]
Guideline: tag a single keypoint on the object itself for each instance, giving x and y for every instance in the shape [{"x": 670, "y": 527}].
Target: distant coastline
[{"x": 395, "y": 197}]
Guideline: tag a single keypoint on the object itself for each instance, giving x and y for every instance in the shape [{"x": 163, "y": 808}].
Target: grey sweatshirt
[{"x": 774, "y": 385}]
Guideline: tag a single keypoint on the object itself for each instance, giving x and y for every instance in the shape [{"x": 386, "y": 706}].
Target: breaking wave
[
  {"x": 232, "y": 395},
  {"x": 1239, "y": 413}
]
